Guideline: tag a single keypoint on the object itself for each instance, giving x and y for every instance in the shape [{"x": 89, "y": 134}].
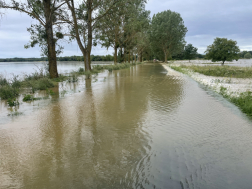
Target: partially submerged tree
[
  {"x": 83, "y": 22},
  {"x": 168, "y": 33},
  {"x": 121, "y": 27},
  {"x": 223, "y": 50},
  {"x": 190, "y": 52},
  {"x": 44, "y": 11}
]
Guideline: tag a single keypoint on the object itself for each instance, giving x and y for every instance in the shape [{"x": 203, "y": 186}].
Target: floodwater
[
  {"x": 20, "y": 68},
  {"x": 132, "y": 128}
]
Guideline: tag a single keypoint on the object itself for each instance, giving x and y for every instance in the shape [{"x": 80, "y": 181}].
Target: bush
[
  {"x": 12, "y": 102},
  {"x": 15, "y": 82},
  {"x": 3, "y": 81},
  {"x": 81, "y": 70},
  {"x": 28, "y": 98},
  {"x": 247, "y": 55},
  {"x": 8, "y": 92}
]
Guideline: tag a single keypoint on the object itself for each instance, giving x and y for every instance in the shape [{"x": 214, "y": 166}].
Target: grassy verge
[
  {"x": 39, "y": 80},
  {"x": 241, "y": 100},
  {"x": 221, "y": 71}
]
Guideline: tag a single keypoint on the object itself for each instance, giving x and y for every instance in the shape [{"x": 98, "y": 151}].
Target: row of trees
[
  {"x": 124, "y": 25},
  {"x": 113, "y": 23},
  {"x": 65, "y": 58}
]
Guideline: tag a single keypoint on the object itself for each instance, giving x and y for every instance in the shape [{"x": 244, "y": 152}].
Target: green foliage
[
  {"x": 39, "y": 84},
  {"x": 50, "y": 92},
  {"x": 244, "y": 102},
  {"x": 3, "y": 81},
  {"x": 12, "y": 102},
  {"x": 28, "y": 98},
  {"x": 190, "y": 52},
  {"x": 167, "y": 33},
  {"x": 222, "y": 71},
  {"x": 73, "y": 78},
  {"x": 81, "y": 70},
  {"x": 15, "y": 82},
  {"x": 223, "y": 50},
  {"x": 8, "y": 92},
  {"x": 247, "y": 55}
]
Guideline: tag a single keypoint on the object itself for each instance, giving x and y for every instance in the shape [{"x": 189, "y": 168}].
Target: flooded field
[
  {"x": 133, "y": 128},
  {"x": 20, "y": 68},
  {"x": 240, "y": 62}
]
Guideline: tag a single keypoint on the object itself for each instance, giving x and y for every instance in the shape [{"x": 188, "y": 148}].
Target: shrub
[
  {"x": 3, "y": 81},
  {"x": 247, "y": 55},
  {"x": 81, "y": 70},
  {"x": 12, "y": 102},
  {"x": 28, "y": 98},
  {"x": 15, "y": 82},
  {"x": 8, "y": 92}
]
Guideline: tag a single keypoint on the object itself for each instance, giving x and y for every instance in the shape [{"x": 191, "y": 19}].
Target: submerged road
[{"x": 132, "y": 128}]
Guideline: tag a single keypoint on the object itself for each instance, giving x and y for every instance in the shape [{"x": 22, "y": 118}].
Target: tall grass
[{"x": 222, "y": 71}]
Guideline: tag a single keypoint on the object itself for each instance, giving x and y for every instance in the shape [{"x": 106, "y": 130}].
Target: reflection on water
[{"x": 139, "y": 128}]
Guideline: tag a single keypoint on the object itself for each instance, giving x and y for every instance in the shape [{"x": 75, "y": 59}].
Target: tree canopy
[
  {"x": 168, "y": 33},
  {"x": 223, "y": 50},
  {"x": 190, "y": 52},
  {"x": 247, "y": 55}
]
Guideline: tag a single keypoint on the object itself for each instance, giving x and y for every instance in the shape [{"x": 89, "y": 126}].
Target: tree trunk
[
  {"x": 115, "y": 55},
  {"x": 77, "y": 35},
  {"x": 132, "y": 56},
  {"x": 90, "y": 36},
  {"x": 50, "y": 40},
  {"x": 223, "y": 63},
  {"x": 165, "y": 60},
  {"x": 141, "y": 57},
  {"x": 129, "y": 57}
]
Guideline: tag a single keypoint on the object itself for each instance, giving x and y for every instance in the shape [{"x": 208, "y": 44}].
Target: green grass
[{"x": 221, "y": 71}]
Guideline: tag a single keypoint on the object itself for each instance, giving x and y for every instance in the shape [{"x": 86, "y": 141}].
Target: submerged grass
[
  {"x": 39, "y": 80},
  {"x": 221, "y": 71}
]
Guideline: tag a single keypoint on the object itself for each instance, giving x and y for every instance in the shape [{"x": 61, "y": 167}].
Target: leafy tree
[
  {"x": 83, "y": 22},
  {"x": 45, "y": 12},
  {"x": 168, "y": 33},
  {"x": 190, "y": 52},
  {"x": 247, "y": 55},
  {"x": 223, "y": 50}
]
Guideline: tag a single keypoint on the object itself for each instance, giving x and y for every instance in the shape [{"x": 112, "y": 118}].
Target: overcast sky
[{"x": 204, "y": 19}]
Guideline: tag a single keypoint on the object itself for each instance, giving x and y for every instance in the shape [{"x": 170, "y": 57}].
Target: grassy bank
[
  {"x": 242, "y": 100},
  {"x": 221, "y": 71},
  {"x": 39, "y": 80}
]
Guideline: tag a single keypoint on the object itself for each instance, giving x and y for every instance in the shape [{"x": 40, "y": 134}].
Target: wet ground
[{"x": 132, "y": 128}]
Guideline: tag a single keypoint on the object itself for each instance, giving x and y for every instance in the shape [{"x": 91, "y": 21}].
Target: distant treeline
[
  {"x": 66, "y": 58},
  {"x": 183, "y": 57}
]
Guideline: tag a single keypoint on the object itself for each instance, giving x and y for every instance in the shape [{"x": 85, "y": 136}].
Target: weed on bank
[{"x": 221, "y": 71}]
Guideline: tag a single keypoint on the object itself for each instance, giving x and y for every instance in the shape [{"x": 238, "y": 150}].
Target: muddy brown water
[{"x": 133, "y": 128}]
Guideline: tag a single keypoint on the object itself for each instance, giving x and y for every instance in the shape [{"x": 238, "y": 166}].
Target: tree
[
  {"x": 120, "y": 28},
  {"x": 190, "y": 52},
  {"x": 247, "y": 55},
  {"x": 168, "y": 33},
  {"x": 223, "y": 50},
  {"x": 45, "y": 12},
  {"x": 83, "y": 22}
]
